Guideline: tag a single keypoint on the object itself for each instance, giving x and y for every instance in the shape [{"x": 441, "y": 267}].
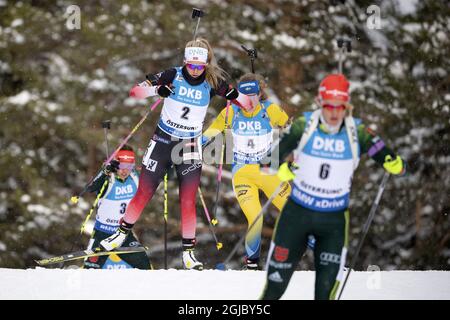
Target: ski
[{"x": 86, "y": 254}]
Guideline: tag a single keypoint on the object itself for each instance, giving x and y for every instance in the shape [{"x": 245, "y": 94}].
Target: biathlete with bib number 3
[{"x": 115, "y": 187}]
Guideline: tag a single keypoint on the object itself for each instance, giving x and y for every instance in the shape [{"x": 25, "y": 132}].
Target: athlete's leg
[
  {"x": 95, "y": 262},
  {"x": 188, "y": 173},
  {"x": 138, "y": 260},
  {"x": 189, "y": 181},
  {"x": 329, "y": 252},
  {"x": 269, "y": 184},
  {"x": 287, "y": 247},
  {"x": 154, "y": 165},
  {"x": 247, "y": 194}
]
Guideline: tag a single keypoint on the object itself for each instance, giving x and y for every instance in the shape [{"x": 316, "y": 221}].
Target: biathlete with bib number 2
[
  {"x": 327, "y": 145},
  {"x": 187, "y": 91}
]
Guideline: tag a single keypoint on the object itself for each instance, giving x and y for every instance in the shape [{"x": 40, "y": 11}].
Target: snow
[
  {"x": 194, "y": 285},
  {"x": 284, "y": 39},
  {"x": 16, "y": 23},
  {"x": 295, "y": 99},
  {"x": 25, "y": 198},
  {"x": 407, "y": 6},
  {"x": 21, "y": 98},
  {"x": 38, "y": 208}
]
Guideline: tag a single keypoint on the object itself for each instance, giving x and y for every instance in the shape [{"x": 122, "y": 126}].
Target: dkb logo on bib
[
  {"x": 190, "y": 93},
  {"x": 330, "y": 145},
  {"x": 250, "y": 125}
]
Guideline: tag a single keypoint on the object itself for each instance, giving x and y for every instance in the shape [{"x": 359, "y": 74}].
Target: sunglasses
[
  {"x": 330, "y": 107},
  {"x": 198, "y": 67},
  {"x": 129, "y": 166}
]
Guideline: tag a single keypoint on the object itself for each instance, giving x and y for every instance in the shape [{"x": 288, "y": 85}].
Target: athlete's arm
[
  {"x": 218, "y": 125},
  {"x": 149, "y": 87},
  {"x": 290, "y": 140},
  {"x": 372, "y": 144},
  {"x": 98, "y": 182},
  {"x": 278, "y": 117}
]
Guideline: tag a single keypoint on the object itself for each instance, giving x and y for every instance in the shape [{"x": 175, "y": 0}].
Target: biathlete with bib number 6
[
  {"x": 327, "y": 145},
  {"x": 187, "y": 91}
]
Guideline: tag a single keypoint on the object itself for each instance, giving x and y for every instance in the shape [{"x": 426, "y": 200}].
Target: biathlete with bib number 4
[
  {"x": 252, "y": 127},
  {"x": 187, "y": 91}
]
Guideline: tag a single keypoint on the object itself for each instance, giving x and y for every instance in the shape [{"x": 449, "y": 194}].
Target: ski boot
[
  {"x": 251, "y": 264},
  {"x": 311, "y": 242},
  {"x": 189, "y": 260},
  {"x": 116, "y": 239}
]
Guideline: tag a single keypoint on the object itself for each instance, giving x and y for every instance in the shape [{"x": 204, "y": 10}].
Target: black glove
[
  {"x": 113, "y": 166},
  {"x": 231, "y": 94},
  {"x": 165, "y": 91}
]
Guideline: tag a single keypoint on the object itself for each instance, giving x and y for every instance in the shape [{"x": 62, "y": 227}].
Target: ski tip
[{"x": 221, "y": 266}]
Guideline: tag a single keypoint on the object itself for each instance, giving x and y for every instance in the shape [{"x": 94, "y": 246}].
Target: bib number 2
[{"x": 186, "y": 110}]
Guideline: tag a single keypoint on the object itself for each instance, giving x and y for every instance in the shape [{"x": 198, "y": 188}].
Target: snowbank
[{"x": 208, "y": 284}]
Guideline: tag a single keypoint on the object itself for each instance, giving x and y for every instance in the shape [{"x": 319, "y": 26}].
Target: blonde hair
[
  {"x": 214, "y": 73},
  {"x": 262, "y": 83}
]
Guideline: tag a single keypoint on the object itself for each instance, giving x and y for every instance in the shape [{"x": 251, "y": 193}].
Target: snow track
[{"x": 209, "y": 284}]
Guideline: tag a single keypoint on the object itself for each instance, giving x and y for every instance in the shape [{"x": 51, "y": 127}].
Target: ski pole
[
  {"x": 212, "y": 222},
  {"x": 197, "y": 13},
  {"x": 345, "y": 46},
  {"x": 74, "y": 199},
  {"x": 365, "y": 229},
  {"x": 94, "y": 205},
  {"x": 222, "y": 266},
  {"x": 253, "y": 54},
  {"x": 165, "y": 221},
  {"x": 222, "y": 152},
  {"x": 106, "y": 125}
]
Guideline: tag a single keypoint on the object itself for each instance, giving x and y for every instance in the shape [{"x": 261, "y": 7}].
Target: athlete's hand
[
  {"x": 285, "y": 171},
  {"x": 394, "y": 166},
  {"x": 113, "y": 166},
  {"x": 166, "y": 90},
  {"x": 231, "y": 94}
]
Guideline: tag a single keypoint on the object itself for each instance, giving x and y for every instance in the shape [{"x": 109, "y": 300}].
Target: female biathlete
[
  {"x": 187, "y": 91},
  {"x": 252, "y": 131}
]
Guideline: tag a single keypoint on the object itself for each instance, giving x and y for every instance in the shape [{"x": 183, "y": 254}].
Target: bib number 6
[{"x": 324, "y": 171}]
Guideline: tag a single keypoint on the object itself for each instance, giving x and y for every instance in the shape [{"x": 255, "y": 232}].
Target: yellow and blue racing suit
[{"x": 252, "y": 140}]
